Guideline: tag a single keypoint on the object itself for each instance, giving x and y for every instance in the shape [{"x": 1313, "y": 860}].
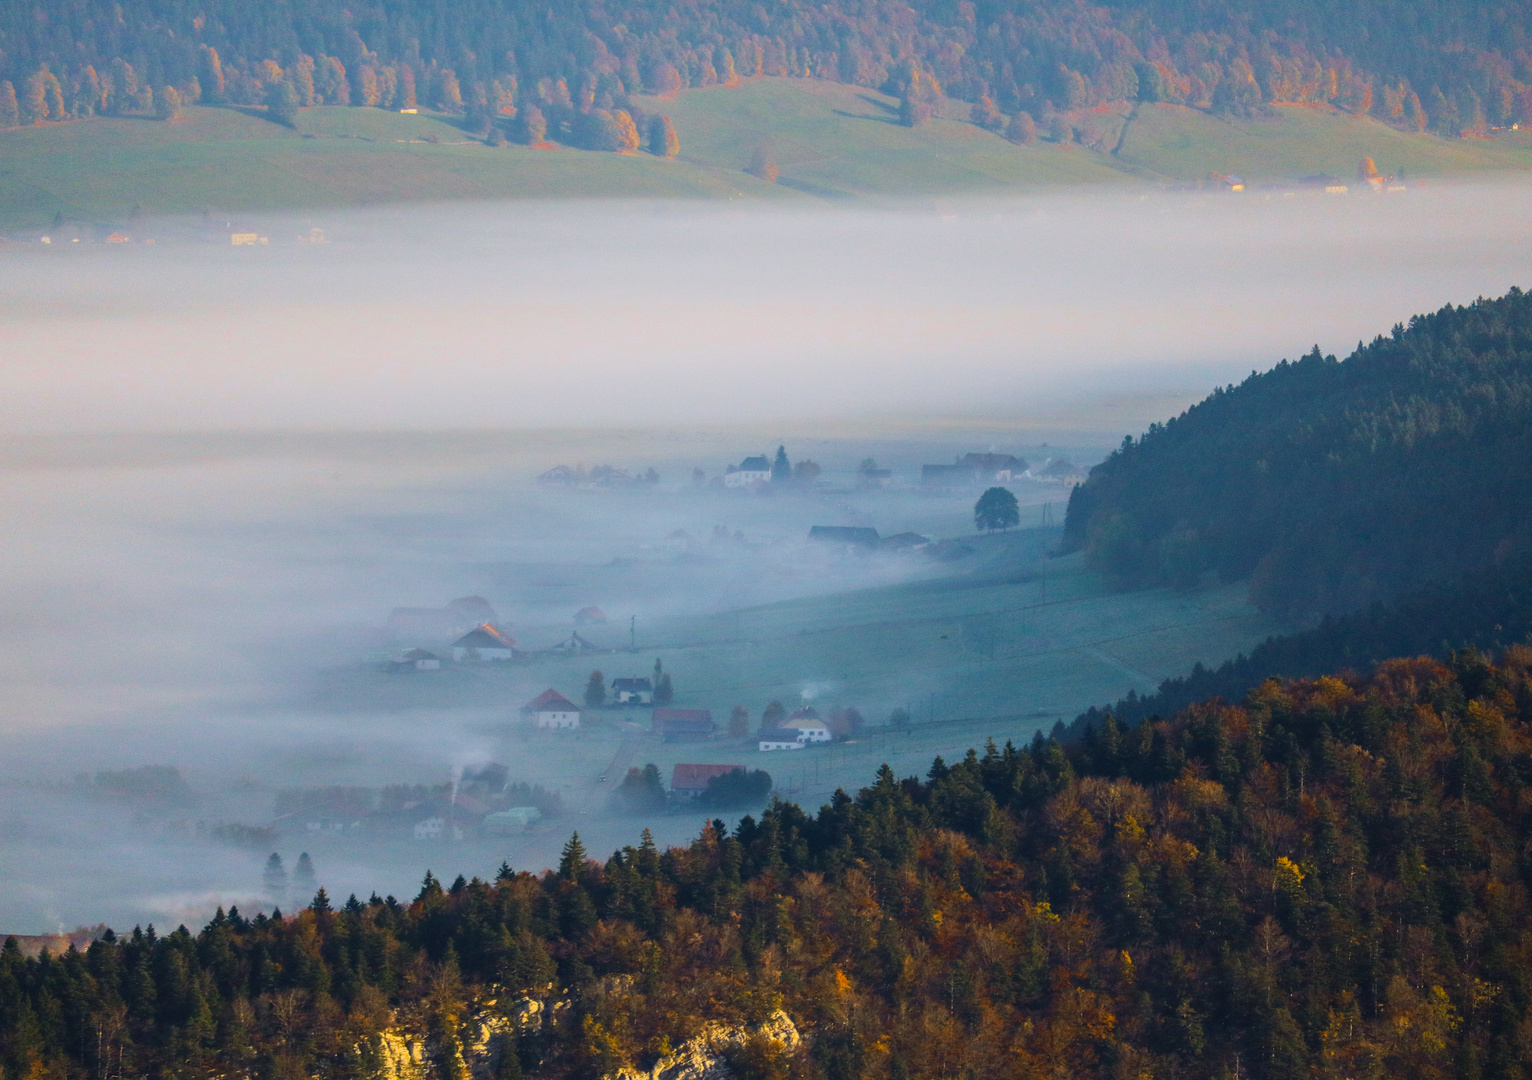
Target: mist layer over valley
[{"x": 226, "y": 468}]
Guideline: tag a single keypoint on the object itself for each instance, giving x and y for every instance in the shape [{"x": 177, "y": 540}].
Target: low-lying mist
[
  {"x": 224, "y": 467},
  {"x": 596, "y": 314}
]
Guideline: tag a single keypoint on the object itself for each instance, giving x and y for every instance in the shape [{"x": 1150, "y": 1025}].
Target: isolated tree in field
[
  {"x": 773, "y": 716},
  {"x": 167, "y": 103},
  {"x": 534, "y": 127},
  {"x": 282, "y": 103},
  {"x": 913, "y": 111},
  {"x": 595, "y": 690},
  {"x": 1022, "y": 130},
  {"x": 996, "y": 509},
  {"x": 806, "y": 472},
  {"x": 781, "y": 471},
  {"x": 739, "y": 722},
  {"x": 305, "y": 881},
  {"x": 662, "y": 138},
  {"x": 275, "y": 878},
  {"x": 899, "y": 718},
  {"x": 763, "y": 164}
]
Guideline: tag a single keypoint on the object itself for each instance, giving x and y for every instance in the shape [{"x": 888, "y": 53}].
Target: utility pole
[{"x": 633, "y": 633}]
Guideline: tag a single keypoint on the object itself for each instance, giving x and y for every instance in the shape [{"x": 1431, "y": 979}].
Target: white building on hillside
[{"x": 753, "y": 470}]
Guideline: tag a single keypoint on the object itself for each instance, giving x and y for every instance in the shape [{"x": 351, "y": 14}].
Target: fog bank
[{"x": 595, "y": 314}]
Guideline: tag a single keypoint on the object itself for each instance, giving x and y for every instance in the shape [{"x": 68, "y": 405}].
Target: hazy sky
[{"x": 542, "y": 315}]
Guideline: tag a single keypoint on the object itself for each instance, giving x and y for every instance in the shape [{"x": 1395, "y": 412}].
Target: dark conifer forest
[
  {"x": 1446, "y": 65},
  {"x": 1334, "y": 485},
  {"x": 1329, "y": 879}
]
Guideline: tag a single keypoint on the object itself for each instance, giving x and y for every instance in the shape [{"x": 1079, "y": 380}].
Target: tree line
[
  {"x": 1332, "y": 485},
  {"x": 1446, "y": 65},
  {"x": 1328, "y": 879}
]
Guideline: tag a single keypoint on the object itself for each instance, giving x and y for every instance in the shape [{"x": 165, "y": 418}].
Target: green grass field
[
  {"x": 835, "y": 140},
  {"x": 1009, "y": 644},
  {"x": 1184, "y": 144},
  {"x": 831, "y": 142},
  {"x": 1006, "y": 646}
]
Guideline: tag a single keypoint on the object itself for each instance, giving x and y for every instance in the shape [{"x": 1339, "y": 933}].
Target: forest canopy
[
  {"x": 1327, "y": 879},
  {"x": 1332, "y": 485},
  {"x": 1444, "y": 64}
]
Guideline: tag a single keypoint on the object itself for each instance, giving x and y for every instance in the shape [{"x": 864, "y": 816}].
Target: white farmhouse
[
  {"x": 782, "y": 739},
  {"x": 753, "y": 470},
  {"x": 812, "y": 731},
  {"x": 633, "y": 691},
  {"x": 551, "y": 709}
]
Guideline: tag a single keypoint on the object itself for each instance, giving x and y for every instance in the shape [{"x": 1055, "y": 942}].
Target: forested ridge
[
  {"x": 1448, "y": 65},
  {"x": 1328, "y": 879},
  {"x": 1332, "y": 485}
]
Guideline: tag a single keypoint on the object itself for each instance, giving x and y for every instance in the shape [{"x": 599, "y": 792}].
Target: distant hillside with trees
[
  {"x": 1329, "y": 879},
  {"x": 1445, "y": 65},
  {"x": 1334, "y": 485}
]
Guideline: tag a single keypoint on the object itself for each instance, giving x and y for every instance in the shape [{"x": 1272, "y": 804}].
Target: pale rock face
[
  {"x": 403, "y": 1057},
  {"x": 485, "y": 1035},
  {"x": 703, "y": 1058}
]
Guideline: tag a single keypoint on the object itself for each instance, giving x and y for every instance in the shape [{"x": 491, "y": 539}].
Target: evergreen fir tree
[
  {"x": 781, "y": 469},
  {"x": 572, "y": 861}
]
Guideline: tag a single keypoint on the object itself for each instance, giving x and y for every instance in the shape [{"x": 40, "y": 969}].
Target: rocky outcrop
[
  {"x": 487, "y": 1033},
  {"x": 401, "y": 1057},
  {"x": 706, "y": 1056}
]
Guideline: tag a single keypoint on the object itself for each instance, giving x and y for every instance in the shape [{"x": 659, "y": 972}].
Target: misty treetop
[
  {"x": 1331, "y": 485},
  {"x": 1327, "y": 880},
  {"x": 1444, "y": 64}
]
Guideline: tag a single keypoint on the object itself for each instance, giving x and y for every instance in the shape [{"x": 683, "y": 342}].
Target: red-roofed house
[
  {"x": 684, "y": 725},
  {"x": 690, "y": 781},
  {"x": 551, "y": 709}
]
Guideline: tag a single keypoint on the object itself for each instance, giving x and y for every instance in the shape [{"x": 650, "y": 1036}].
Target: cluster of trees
[
  {"x": 643, "y": 791},
  {"x": 1329, "y": 879},
  {"x": 1334, "y": 485},
  {"x": 1452, "y": 66},
  {"x": 664, "y": 689}
]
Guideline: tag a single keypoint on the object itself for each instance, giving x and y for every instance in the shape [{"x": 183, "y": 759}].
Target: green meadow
[
  {"x": 1008, "y": 643},
  {"x": 830, "y": 141}
]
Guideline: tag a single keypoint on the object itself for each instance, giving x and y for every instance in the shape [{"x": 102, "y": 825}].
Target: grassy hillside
[
  {"x": 830, "y": 141},
  {"x": 225, "y": 160},
  {"x": 1301, "y": 140}
]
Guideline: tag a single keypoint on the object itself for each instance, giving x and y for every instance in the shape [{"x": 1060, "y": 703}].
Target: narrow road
[{"x": 615, "y": 770}]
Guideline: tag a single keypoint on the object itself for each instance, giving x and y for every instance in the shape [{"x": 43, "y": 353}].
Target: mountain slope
[{"x": 1332, "y": 485}]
